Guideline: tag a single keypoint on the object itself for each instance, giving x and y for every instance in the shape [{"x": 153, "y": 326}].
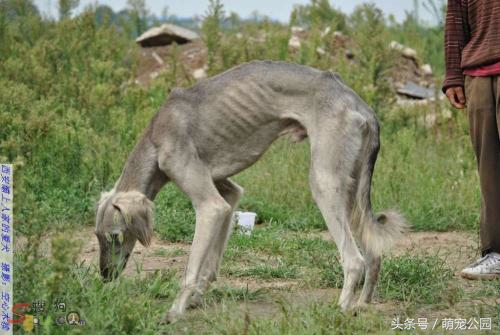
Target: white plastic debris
[{"x": 245, "y": 221}]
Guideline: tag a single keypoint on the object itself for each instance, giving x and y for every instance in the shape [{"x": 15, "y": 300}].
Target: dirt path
[{"x": 457, "y": 247}]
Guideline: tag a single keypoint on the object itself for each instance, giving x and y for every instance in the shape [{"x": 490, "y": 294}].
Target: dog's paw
[
  {"x": 195, "y": 300},
  {"x": 171, "y": 317},
  {"x": 362, "y": 306}
]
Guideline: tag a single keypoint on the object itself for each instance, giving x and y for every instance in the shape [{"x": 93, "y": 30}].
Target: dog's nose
[
  {"x": 105, "y": 275},
  {"x": 111, "y": 274}
]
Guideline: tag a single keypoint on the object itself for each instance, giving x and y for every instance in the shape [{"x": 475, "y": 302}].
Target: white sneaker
[{"x": 487, "y": 267}]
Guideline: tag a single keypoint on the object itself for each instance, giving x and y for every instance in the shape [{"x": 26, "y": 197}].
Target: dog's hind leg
[
  {"x": 335, "y": 145},
  {"x": 373, "y": 263},
  {"x": 212, "y": 211},
  {"x": 364, "y": 215},
  {"x": 375, "y": 233}
]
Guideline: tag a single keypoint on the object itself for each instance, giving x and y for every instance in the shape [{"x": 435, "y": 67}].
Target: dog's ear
[
  {"x": 137, "y": 211},
  {"x": 104, "y": 197}
]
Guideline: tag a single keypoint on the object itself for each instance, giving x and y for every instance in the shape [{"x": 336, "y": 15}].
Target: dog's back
[{"x": 232, "y": 118}]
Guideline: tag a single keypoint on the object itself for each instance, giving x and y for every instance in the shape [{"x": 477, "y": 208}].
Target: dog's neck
[{"x": 141, "y": 172}]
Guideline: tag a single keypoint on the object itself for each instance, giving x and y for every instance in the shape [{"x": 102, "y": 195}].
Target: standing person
[{"x": 472, "y": 48}]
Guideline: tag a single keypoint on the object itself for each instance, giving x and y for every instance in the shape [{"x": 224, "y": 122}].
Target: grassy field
[{"x": 71, "y": 114}]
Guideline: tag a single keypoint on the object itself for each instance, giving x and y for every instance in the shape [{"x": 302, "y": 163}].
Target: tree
[
  {"x": 11, "y": 9},
  {"x": 138, "y": 14},
  {"x": 104, "y": 15},
  {"x": 164, "y": 13},
  {"x": 65, "y": 8},
  {"x": 211, "y": 29},
  {"x": 318, "y": 13}
]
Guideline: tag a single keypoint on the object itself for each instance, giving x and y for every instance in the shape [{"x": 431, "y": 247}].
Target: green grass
[
  {"x": 313, "y": 318},
  {"x": 401, "y": 279},
  {"x": 264, "y": 272},
  {"x": 173, "y": 252},
  {"x": 220, "y": 294}
]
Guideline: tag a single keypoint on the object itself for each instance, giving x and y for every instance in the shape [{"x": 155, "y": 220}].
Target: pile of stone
[
  {"x": 159, "y": 46},
  {"x": 340, "y": 41},
  {"x": 410, "y": 79}
]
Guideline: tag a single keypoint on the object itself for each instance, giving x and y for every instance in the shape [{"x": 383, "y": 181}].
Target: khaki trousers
[{"x": 483, "y": 104}]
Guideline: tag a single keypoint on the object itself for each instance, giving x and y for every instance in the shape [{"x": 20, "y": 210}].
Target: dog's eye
[{"x": 116, "y": 239}]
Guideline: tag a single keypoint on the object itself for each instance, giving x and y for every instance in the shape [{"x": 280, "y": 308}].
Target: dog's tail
[
  {"x": 380, "y": 233},
  {"x": 376, "y": 233}
]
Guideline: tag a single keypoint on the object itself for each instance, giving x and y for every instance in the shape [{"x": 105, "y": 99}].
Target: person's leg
[
  {"x": 491, "y": 229},
  {"x": 482, "y": 107},
  {"x": 481, "y": 103}
]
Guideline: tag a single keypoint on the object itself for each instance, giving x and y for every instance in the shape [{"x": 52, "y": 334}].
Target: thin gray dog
[{"x": 221, "y": 126}]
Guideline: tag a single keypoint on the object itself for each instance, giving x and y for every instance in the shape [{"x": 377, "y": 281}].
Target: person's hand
[{"x": 456, "y": 96}]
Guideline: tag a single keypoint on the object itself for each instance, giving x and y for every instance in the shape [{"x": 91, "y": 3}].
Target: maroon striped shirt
[{"x": 472, "y": 37}]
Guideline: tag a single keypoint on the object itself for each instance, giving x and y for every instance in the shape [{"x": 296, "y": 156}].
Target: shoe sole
[{"x": 482, "y": 276}]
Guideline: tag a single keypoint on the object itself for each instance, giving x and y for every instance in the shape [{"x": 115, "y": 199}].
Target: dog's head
[{"x": 122, "y": 218}]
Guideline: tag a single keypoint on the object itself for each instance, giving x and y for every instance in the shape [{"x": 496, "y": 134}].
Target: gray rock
[
  {"x": 409, "y": 53},
  {"x": 320, "y": 51},
  {"x": 396, "y": 46},
  {"x": 413, "y": 90},
  {"x": 426, "y": 69},
  {"x": 166, "y": 34}
]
